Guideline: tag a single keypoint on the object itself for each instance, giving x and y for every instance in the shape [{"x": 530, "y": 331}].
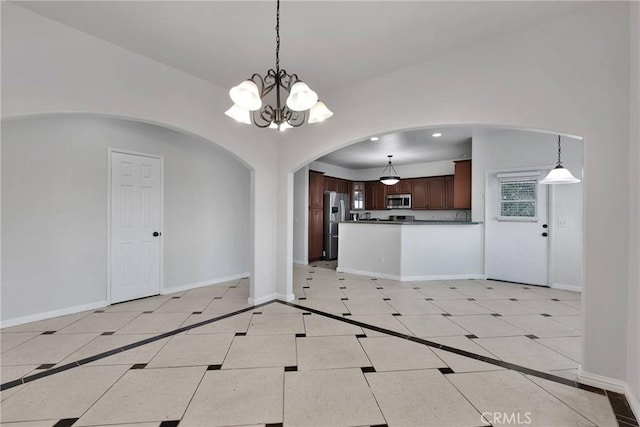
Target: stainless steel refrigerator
[{"x": 336, "y": 209}]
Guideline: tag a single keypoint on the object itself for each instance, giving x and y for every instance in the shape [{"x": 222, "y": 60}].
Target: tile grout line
[{"x": 77, "y": 363}]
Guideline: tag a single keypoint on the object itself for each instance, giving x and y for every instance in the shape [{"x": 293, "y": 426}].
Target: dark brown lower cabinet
[{"x": 315, "y": 234}]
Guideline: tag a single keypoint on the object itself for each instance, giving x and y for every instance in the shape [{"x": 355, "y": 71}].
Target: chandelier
[
  {"x": 389, "y": 174},
  {"x": 559, "y": 174},
  {"x": 301, "y": 102}
]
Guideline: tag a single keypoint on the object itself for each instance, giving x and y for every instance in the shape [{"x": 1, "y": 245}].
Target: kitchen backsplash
[{"x": 439, "y": 215}]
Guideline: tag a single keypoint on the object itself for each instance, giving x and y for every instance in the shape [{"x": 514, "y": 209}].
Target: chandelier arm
[
  {"x": 294, "y": 118},
  {"x": 263, "y": 117}
]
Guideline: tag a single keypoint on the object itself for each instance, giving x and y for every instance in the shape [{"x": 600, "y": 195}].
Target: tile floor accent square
[
  {"x": 261, "y": 351},
  {"x": 330, "y": 353},
  {"x": 237, "y": 397},
  {"x": 395, "y": 354},
  {"x": 309, "y": 395},
  {"x": 146, "y": 395},
  {"x": 421, "y": 398}
]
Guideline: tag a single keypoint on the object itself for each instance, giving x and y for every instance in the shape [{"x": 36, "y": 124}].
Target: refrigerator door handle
[{"x": 342, "y": 210}]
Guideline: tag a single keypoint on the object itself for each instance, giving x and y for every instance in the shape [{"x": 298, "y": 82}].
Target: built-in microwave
[{"x": 399, "y": 201}]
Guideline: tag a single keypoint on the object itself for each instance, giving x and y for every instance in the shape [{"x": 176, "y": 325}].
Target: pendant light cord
[
  {"x": 559, "y": 152},
  {"x": 277, "y": 36}
]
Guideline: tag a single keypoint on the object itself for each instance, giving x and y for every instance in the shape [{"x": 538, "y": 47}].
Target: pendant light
[
  {"x": 389, "y": 174},
  {"x": 559, "y": 174},
  {"x": 301, "y": 105}
]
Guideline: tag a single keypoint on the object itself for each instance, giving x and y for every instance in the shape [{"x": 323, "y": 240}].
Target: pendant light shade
[
  {"x": 239, "y": 114},
  {"x": 301, "y": 97},
  {"x": 389, "y": 174},
  {"x": 319, "y": 112},
  {"x": 559, "y": 174},
  {"x": 246, "y": 95}
]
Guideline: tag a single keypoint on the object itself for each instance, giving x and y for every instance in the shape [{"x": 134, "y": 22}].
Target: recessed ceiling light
[
  {"x": 436, "y": 135},
  {"x": 374, "y": 138}
]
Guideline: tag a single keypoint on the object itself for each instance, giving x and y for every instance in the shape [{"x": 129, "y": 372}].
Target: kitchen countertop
[{"x": 414, "y": 222}]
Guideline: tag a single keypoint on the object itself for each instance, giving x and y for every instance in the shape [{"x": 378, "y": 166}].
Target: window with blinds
[{"x": 518, "y": 197}]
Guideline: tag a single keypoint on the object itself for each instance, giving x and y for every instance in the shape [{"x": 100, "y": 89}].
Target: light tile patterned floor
[{"x": 281, "y": 365}]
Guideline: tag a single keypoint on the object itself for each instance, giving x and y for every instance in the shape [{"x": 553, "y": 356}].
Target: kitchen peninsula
[{"x": 410, "y": 251}]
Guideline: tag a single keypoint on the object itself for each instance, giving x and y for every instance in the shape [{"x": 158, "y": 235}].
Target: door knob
[
  {"x": 545, "y": 234},
  {"x": 156, "y": 234}
]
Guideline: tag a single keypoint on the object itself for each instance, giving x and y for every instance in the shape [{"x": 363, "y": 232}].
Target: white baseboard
[
  {"x": 300, "y": 262},
  {"x": 287, "y": 298},
  {"x": 444, "y": 277},
  {"x": 55, "y": 313},
  {"x": 572, "y": 288},
  {"x": 205, "y": 283},
  {"x": 263, "y": 299},
  {"x": 633, "y": 402},
  {"x": 410, "y": 278},
  {"x": 601, "y": 381}
]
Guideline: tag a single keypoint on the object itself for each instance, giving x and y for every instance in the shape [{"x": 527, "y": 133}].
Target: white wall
[
  {"x": 633, "y": 359},
  {"x": 54, "y": 222},
  {"x": 569, "y": 73},
  {"x": 301, "y": 216},
  {"x": 504, "y": 149},
  {"x": 48, "y": 67}
]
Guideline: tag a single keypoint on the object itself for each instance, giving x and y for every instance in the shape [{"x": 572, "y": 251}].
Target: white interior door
[
  {"x": 517, "y": 228},
  {"x": 135, "y": 226}
]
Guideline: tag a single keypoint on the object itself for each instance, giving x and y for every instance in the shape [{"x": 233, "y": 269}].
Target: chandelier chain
[
  {"x": 277, "y": 35},
  {"x": 559, "y": 152}
]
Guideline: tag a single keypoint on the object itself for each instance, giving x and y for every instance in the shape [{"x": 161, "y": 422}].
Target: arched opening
[
  {"x": 449, "y": 269},
  {"x": 56, "y": 231}
]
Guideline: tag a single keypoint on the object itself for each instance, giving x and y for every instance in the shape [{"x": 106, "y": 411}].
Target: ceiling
[
  {"x": 408, "y": 147},
  {"x": 329, "y": 44}
]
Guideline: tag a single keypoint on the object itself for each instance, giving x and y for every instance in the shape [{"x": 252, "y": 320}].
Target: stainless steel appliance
[
  {"x": 336, "y": 209},
  {"x": 399, "y": 201}
]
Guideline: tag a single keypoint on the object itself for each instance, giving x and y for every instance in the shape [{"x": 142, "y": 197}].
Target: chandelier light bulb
[
  {"x": 246, "y": 95},
  {"x": 319, "y": 112},
  {"x": 301, "y": 97},
  {"x": 239, "y": 114}
]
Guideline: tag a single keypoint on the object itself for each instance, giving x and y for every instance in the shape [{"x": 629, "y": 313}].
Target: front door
[
  {"x": 517, "y": 228},
  {"x": 135, "y": 226}
]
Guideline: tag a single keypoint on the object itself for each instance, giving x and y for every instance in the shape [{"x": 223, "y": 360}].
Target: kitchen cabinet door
[
  {"x": 448, "y": 192},
  {"x": 462, "y": 185},
  {"x": 315, "y": 234},
  {"x": 380, "y": 196},
  {"x": 330, "y": 184},
  {"x": 419, "y": 193},
  {"x": 404, "y": 186},
  {"x": 370, "y": 195},
  {"x": 316, "y": 189},
  {"x": 435, "y": 192}
]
